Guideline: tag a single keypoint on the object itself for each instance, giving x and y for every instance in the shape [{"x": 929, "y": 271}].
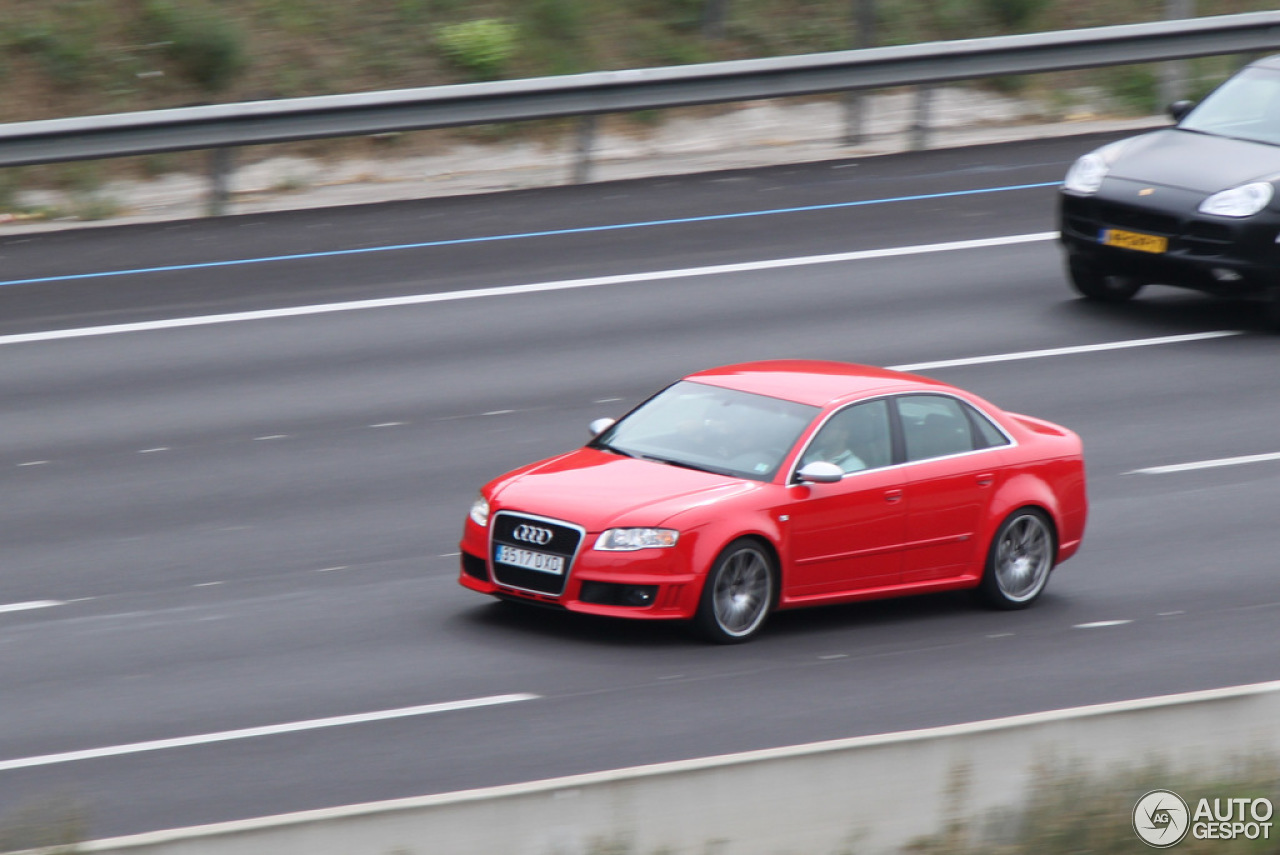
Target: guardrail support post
[
  {"x": 582, "y": 156},
  {"x": 920, "y": 125},
  {"x": 1173, "y": 74},
  {"x": 863, "y": 15},
  {"x": 220, "y": 168}
]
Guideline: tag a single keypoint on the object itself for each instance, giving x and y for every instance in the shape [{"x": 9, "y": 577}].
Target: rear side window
[{"x": 939, "y": 426}]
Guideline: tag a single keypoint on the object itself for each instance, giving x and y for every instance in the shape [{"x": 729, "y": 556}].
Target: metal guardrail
[{"x": 227, "y": 126}]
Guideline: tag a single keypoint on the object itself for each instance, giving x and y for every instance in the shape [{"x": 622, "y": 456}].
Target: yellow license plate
[{"x": 1135, "y": 241}]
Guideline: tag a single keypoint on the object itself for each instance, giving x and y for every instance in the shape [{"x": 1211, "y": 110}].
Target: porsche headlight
[
  {"x": 1243, "y": 201},
  {"x": 1086, "y": 174},
  {"x": 480, "y": 511},
  {"x": 627, "y": 539}
]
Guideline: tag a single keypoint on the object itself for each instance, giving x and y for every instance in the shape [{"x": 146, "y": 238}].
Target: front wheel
[
  {"x": 738, "y": 594},
  {"x": 1019, "y": 561},
  {"x": 1096, "y": 285}
]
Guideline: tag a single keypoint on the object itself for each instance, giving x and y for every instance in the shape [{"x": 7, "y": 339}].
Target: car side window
[
  {"x": 988, "y": 435},
  {"x": 935, "y": 426},
  {"x": 855, "y": 438}
]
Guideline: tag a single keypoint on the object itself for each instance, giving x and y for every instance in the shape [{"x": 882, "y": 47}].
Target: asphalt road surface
[{"x": 236, "y": 456}]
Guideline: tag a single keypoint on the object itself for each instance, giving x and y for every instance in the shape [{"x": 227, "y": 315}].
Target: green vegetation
[
  {"x": 483, "y": 47},
  {"x": 1070, "y": 813},
  {"x": 82, "y": 57},
  {"x": 53, "y": 825}
]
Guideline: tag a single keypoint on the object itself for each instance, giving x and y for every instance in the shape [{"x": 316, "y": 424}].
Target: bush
[
  {"x": 482, "y": 47},
  {"x": 205, "y": 45},
  {"x": 1014, "y": 14}
]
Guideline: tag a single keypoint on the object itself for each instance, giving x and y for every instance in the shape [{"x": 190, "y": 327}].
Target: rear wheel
[
  {"x": 738, "y": 594},
  {"x": 1096, "y": 285},
  {"x": 1019, "y": 561}
]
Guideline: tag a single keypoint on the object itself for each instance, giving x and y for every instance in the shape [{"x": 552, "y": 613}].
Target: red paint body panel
[{"x": 899, "y": 529}]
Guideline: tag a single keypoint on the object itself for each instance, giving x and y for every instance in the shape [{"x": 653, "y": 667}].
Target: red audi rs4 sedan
[{"x": 740, "y": 490}]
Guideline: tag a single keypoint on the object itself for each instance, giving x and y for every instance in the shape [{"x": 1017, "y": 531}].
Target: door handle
[
  {"x": 892, "y": 495},
  {"x": 986, "y": 479}
]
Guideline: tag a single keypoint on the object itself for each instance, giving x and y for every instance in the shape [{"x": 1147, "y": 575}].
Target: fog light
[
  {"x": 1222, "y": 274},
  {"x": 639, "y": 595},
  {"x": 610, "y": 594}
]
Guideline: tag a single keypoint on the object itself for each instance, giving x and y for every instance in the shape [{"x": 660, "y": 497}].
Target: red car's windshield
[{"x": 717, "y": 430}]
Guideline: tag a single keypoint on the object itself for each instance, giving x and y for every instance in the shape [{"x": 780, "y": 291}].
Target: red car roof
[{"x": 812, "y": 382}]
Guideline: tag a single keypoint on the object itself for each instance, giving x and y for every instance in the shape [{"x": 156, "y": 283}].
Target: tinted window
[
  {"x": 855, "y": 438},
  {"x": 1247, "y": 106},
  {"x": 988, "y": 435},
  {"x": 935, "y": 426}
]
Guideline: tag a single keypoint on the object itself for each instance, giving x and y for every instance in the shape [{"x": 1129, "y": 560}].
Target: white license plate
[{"x": 530, "y": 560}]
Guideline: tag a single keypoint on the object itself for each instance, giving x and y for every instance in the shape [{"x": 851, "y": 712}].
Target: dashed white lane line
[
  {"x": 1100, "y": 624},
  {"x": 252, "y": 732},
  {"x": 1067, "y": 351},
  {"x": 28, "y": 606},
  {"x": 1207, "y": 464}
]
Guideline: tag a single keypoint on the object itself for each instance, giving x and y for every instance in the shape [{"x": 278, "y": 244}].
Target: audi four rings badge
[{"x": 532, "y": 534}]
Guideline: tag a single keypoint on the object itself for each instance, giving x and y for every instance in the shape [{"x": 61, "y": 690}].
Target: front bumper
[
  {"x": 646, "y": 584},
  {"x": 1218, "y": 255}
]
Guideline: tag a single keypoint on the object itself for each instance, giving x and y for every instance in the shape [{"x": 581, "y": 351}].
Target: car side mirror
[
  {"x": 820, "y": 472},
  {"x": 1178, "y": 109},
  {"x": 599, "y": 426}
]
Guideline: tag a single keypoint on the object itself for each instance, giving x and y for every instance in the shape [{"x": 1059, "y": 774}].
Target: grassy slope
[{"x": 83, "y": 57}]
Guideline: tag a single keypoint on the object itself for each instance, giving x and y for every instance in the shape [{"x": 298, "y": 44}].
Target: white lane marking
[
  {"x": 153, "y": 450},
  {"x": 387, "y": 424},
  {"x": 272, "y": 436},
  {"x": 1099, "y": 624},
  {"x": 1067, "y": 351},
  {"x": 530, "y": 288},
  {"x": 33, "y": 604},
  {"x": 251, "y": 732},
  {"x": 35, "y": 463},
  {"x": 1206, "y": 464}
]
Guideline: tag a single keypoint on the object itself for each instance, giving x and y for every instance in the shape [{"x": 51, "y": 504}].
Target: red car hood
[{"x": 598, "y": 489}]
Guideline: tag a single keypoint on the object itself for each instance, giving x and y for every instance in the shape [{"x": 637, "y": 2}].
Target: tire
[
  {"x": 739, "y": 593},
  {"x": 1103, "y": 287},
  {"x": 1271, "y": 309},
  {"x": 1018, "y": 564}
]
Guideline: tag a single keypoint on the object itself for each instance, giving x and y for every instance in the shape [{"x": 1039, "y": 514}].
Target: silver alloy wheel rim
[
  {"x": 741, "y": 595},
  {"x": 1023, "y": 558}
]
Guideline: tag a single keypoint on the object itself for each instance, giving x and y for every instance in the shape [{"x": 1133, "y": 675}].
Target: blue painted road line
[{"x": 70, "y": 277}]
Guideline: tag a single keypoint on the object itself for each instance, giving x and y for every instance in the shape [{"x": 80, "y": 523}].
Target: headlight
[
  {"x": 1086, "y": 174},
  {"x": 480, "y": 511},
  {"x": 1243, "y": 201},
  {"x": 626, "y": 539}
]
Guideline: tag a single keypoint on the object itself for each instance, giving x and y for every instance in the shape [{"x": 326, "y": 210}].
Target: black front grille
[
  {"x": 1208, "y": 238},
  {"x": 1139, "y": 219},
  {"x": 532, "y": 553}
]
